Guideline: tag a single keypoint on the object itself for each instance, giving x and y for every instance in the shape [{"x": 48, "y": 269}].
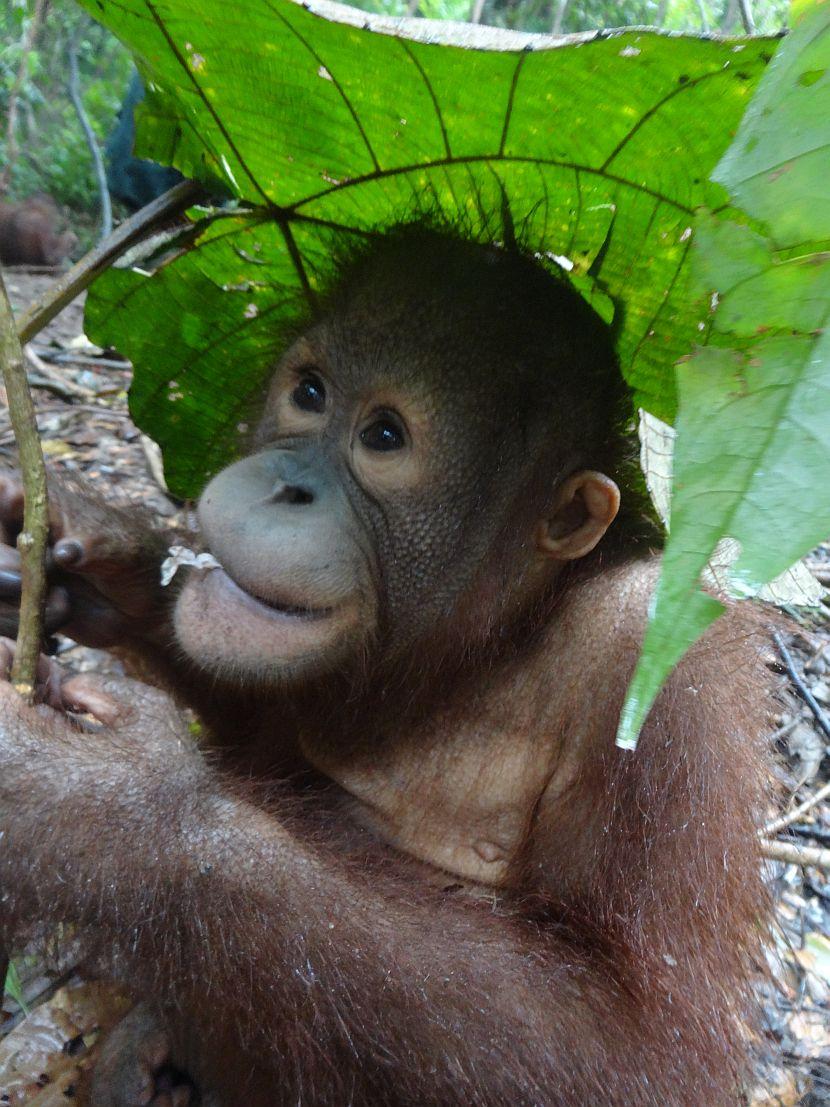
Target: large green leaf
[
  {"x": 753, "y": 431},
  {"x": 324, "y": 128}
]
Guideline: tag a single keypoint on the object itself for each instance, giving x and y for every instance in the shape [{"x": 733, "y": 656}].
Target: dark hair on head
[{"x": 526, "y": 312}]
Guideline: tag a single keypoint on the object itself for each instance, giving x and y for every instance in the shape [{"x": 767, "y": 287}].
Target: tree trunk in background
[
  {"x": 92, "y": 141},
  {"x": 730, "y": 18},
  {"x": 746, "y": 16},
  {"x": 559, "y": 13}
]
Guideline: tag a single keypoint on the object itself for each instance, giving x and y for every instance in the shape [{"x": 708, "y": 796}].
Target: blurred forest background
[{"x": 43, "y": 147}]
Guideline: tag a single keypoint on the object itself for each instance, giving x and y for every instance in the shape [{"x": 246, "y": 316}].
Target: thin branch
[
  {"x": 746, "y": 17},
  {"x": 796, "y": 855},
  {"x": 74, "y": 89},
  {"x": 793, "y": 816},
  {"x": 80, "y": 276},
  {"x": 44, "y": 376},
  {"x": 821, "y": 573},
  {"x": 476, "y": 10},
  {"x": 31, "y": 541},
  {"x": 801, "y": 687},
  {"x": 784, "y": 730},
  {"x": 817, "y": 659},
  {"x": 12, "y": 148}
]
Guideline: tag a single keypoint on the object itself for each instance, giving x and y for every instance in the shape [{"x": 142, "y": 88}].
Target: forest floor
[{"x": 85, "y": 427}]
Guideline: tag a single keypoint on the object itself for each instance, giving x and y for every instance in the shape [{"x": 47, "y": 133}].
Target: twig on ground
[
  {"x": 784, "y": 730},
  {"x": 55, "y": 356},
  {"x": 792, "y": 816},
  {"x": 46, "y": 384},
  {"x": 818, "y": 656},
  {"x": 820, "y": 570},
  {"x": 801, "y": 687},
  {"x": 811, "y": 830},
  {"x": 7, "y": 437},
  {"x": 792, "y": 854},
  {"x": 47, "y": 378}
]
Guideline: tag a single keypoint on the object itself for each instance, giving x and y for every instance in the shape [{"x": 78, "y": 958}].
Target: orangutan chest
[{"x": 464, "y": 807}]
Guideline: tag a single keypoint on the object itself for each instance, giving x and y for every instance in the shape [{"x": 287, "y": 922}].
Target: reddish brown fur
[
  {"x": 29, "y": 233},
  {"x": 320, "y": 967},
  {"x": 420, "y": 872},
  {"x": 659, "y": 848}
]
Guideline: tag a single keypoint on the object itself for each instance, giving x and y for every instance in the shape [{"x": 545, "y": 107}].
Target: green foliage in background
[
  {"x": 569, "y": 16},
  {"x": 53, "y": 155}
]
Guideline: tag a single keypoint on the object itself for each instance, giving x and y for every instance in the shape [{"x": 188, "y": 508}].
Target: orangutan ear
[{"x": 586, "y": 506}]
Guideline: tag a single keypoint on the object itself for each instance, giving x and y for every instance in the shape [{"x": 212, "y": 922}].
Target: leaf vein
[
  {"x": 652, "y": 111},
  {"x": 508, "y": 114},
  {"x": 343, "y": 95},
  {"x": 209, "y": 107},
  {"x": 472, "y": 159},
  {"x": 425, "y": 78},
  {"x": 666, "y": 295}
]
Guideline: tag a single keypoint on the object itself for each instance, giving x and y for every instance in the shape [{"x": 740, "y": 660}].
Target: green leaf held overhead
[{"x": 328, "y": 125}]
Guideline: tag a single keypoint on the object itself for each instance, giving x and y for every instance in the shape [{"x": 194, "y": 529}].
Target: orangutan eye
[
  {"x": 310, "y": 395},
  {"x": 383, "y": 436}
]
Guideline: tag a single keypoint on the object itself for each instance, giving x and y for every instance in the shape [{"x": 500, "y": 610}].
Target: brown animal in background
[
  {"x": 414, "y": 869},
  {"x": 29, "y": 233}
]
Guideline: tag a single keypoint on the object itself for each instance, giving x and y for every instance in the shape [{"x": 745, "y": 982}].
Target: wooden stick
[
  {"x": 796, "y": 855},
  {"x": 33, "y": 538},
  {"x": 796, "y": 813},
  {"x": 801, "y": 687},
  {"x": 31, "y": 541}
]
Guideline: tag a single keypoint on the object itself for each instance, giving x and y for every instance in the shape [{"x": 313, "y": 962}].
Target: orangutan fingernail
[{"x": 68, "y": 551}]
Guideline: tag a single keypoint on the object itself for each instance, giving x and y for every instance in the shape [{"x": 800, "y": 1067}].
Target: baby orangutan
[{"x": 408, "y": 865}]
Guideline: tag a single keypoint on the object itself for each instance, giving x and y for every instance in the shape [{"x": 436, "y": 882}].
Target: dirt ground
[{"x": 82, "y": 415}]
